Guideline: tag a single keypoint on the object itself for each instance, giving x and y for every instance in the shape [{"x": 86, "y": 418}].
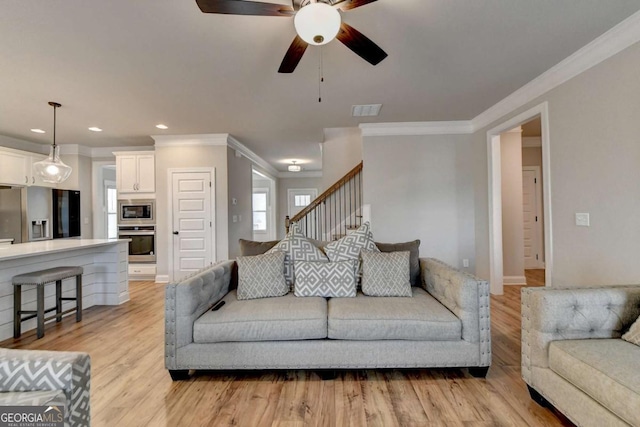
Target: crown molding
[
  {"x": 307, "y": 174},
  {"x": 216, "y": 139},
  {"x": 98, "y": 152},
  {"x": 610, "y": 43},
  {"x": 71, "y": 149},
  {"x": 416, "y": 128},
  {"x": 253, "y": 157}
]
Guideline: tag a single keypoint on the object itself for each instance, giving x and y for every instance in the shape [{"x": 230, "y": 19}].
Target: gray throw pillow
[
  {"x": 633, "y": 334},
  {"x": 261, "y": 276},
  {"x": 349, "y": 246},
  {"x": 385, "y": 274},
  {"x": 251, "y": 248},
  {"x": 414, "y": 257},
  {"x": 325, "y": 279}
]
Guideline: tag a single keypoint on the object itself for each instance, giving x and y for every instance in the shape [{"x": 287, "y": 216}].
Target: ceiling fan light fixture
[
  {"x": 317, "y": 23},
  {"x": 52, "y": 169}
]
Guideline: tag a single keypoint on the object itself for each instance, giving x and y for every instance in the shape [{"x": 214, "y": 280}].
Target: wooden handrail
[{"x": 327, "y": 193}]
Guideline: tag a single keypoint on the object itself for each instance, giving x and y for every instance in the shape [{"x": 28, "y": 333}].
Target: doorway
[
  {"x": 192, "y": 208},
  {"x": 263, "y": 206},
  {"x": 496, "y": 242}
]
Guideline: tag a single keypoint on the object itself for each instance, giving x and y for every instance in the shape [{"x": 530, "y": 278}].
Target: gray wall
[
  {"x": 341, "y": 152},
  {"x": 421, "y": 187},
  {"x": 532, "y": 156},
  {"x": 512, "y": 213},
  {"x": 595, "y": 152},
  {"x": 240, "y": 188},
  {"x": 190, "y": 157}
]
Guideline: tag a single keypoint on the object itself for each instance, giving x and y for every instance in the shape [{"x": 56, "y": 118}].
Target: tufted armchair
[
  {"x": 573, "y": 357},
  {"x": 51, "y": 378}
]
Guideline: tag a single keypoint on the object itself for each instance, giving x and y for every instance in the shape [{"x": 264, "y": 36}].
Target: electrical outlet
[
  {"x": 582, "y": 219},
  {"x": 465, "y": 263}
]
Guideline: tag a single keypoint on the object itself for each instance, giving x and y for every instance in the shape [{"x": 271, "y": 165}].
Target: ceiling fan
[{"x": 316, "y": 22}]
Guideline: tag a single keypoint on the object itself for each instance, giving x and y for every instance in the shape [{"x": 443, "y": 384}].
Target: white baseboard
[
  {"x": 514, "y": 280},
  {"x": 162, "y": 278}
]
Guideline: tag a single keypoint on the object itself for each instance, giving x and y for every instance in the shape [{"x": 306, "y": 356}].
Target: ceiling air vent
[{"x": 366, "y": 110}]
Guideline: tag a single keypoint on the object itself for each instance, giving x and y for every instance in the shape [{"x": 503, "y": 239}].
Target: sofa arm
[
  {"x": 464, "y": 295},
  {"x": 35, "y": 370},
  {"x": 560, "y": 314},
  {"x": 189, "y": 299}
]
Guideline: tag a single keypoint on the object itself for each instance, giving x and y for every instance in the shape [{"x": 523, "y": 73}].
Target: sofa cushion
[
  {"x": 633, "y": 334},
  {"x": 421, "y": 318},
  {"x": 385, "y": 274},
  {"x": 251, "y": 248},
  {"x": 414, "y": 257},
  {"x": 297, "y": 247},
  {"x": 261, "y": 276},
  {"x": 325, "y": 279},
  {"x": 269, "y": 319},
  {"x": 608, "y": 370}
]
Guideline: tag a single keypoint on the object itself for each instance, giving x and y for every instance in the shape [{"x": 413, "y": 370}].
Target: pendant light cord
[{"x": 54, "y": 127}]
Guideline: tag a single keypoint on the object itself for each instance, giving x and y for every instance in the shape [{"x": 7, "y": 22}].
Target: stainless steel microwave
[{"x": 136, "y": 212}]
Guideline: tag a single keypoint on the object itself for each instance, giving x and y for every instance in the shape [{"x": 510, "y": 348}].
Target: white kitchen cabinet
[
  {"x": 14, "y": 167},
  {"x": 135, "y": 173}
]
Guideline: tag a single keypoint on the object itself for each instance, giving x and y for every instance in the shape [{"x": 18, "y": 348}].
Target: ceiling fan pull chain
[{"x": 320, "y": 75}]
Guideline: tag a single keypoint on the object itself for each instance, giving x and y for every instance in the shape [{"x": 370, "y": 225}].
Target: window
[
  {"x": 302, "y": 200},
  {"x": 260, "y": 210},
  {"x": 112, "y": 213}
]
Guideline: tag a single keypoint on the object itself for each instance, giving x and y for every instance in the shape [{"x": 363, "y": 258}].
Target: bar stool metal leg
[
  {"x": 40, "y": 310},
  {"x": 58, "y": 301},
  {"x": 78, "y": 297},
  {"x": 17, "y": 304}
]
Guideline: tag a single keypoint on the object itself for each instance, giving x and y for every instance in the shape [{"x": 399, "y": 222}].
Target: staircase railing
[{"x": 334, "y": 212}]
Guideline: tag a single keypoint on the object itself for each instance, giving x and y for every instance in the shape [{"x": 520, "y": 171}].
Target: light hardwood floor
[{"x": 130, "y": 387}]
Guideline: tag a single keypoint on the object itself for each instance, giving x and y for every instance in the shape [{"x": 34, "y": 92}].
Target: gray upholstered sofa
[
  {"x": 445, "y": 324},
  {"x": 573, "y": 357},
  {"x": 47, "y": 378}
]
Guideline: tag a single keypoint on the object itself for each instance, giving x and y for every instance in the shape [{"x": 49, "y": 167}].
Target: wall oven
[
  {"x": 142, "y": 247},
  {"x": 136, "y": 212}
]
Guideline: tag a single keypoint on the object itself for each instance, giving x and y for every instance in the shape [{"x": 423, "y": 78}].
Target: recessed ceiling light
[
  {"x": 37, "y": 130},
  {"x": 95, "y": 129},
  {"x": 369, "y": 110},
  {"x": 161, "y": 126}
]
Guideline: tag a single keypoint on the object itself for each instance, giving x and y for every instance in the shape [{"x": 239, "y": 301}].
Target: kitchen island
[{"x": 104, "y": 282}]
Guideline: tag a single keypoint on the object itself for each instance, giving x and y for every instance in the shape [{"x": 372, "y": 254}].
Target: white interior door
[
  {"x": 192, "y": 222},
  {"x": 299, "y": 198},
  {"x": 531, "y": 218}
]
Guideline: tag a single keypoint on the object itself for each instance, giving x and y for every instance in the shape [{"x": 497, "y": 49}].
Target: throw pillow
[
  {"x": 385, "y": 274},
  {"x": 414, "y": 257},
  {"x": 251, "y": 248},
  {"x": 349, "y": 246},
  {"x": 633, "y": 334},
  {"x": 261, "y": 276},
  {"x": 325, "y": 279},
  {"x": 296, "y": 247}
]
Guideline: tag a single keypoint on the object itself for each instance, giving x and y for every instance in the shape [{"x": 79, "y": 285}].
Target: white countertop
[{"x": 22, "y": 250}]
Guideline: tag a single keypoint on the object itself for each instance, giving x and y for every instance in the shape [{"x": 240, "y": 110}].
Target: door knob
[{"x": 176, "y": 232}]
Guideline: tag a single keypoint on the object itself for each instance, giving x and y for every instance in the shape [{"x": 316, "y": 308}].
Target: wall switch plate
[
  {"x": 235, "y": 218},
  {"x": 582, "y": 219},
  {"x": 465, "y": 263}
]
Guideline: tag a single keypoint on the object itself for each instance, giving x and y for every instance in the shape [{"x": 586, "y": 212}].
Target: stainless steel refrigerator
[{"x": 25, "y": 214}]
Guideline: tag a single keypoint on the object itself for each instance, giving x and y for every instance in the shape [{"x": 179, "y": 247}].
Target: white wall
[
  {"x": 239, "y": 179},
  {"x": 341, "y": 152},
  {"x": 512, "y": 204},
  {"x": 594, "y": 152},
  {"x": 421, "y": 187}
]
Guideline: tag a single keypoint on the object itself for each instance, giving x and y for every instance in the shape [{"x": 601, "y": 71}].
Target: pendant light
[
  {"x": 293, "y": 167},
  {"x": 52, "y": 169}
]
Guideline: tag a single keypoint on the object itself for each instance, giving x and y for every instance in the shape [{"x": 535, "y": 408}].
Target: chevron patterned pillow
[
  {"x": 325, "y": 279},
  {"x": 296, "y": 247},
  {"x": 633, "y": 334},
  {"x": 261, "y": 276},
  {"x": 386, "y": 274}
]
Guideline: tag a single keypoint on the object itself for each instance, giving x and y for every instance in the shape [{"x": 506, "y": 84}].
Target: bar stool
[{"x": 40, "y": 279}]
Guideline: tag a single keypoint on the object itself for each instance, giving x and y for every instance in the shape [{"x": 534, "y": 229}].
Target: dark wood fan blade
[
  {"x": 360, "y": 44},
  {"x": 241, "y": 7},
  {"x": 352, "y": 4},
  {"x": 293, "y": 55}
]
